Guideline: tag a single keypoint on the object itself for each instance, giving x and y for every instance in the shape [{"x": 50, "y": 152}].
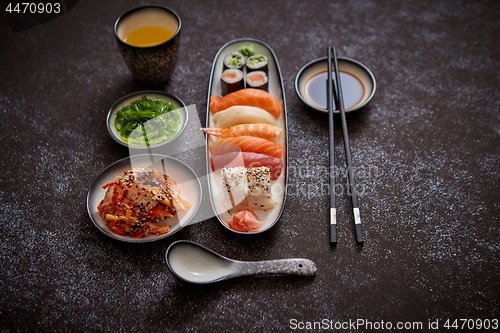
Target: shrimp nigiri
[
  {"x": 260, "y": 130},
  {"x": 246, "y": 144},
  {"x": 250, "y": 97}
]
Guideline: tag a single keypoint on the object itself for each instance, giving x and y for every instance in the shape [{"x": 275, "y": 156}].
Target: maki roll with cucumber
[
  {"x": 257, "y": 63},
  {"x": 234, "y": 60},
  {"x": 231, "y": 81}
]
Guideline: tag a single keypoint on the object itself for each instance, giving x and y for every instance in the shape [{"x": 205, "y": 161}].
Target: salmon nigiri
[
  {"x": 246, "y": 144},
  {"x": 264, "y": 131},
  {"x": 250, "y": 97}
]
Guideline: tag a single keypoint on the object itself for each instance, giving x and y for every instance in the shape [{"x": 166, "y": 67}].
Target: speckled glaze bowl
[
  {"x": 178, "y": 104},
  {"x": 150, "y": 65},
  {"x": 351, "y": 66}
]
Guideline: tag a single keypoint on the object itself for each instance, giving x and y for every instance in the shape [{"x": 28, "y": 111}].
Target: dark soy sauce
[{"x": 352, "y": 90}]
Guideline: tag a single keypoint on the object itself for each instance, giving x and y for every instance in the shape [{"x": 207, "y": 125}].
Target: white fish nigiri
[{"x": 240, "y": 114}]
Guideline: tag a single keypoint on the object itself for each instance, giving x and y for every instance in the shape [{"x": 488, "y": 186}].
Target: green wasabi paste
[{"x": 247, "y": 50}]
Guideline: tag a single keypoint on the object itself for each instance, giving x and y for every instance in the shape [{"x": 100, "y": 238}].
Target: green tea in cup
[
  {"x": 148, "y": 39},
  {"x": 148, "y": 35}
]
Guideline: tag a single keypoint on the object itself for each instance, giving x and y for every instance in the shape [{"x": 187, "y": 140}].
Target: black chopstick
[
  {"x": 350, "y": 172},
  {"x": 333, "y": 211},
  {"x": 145, "y": 136}
]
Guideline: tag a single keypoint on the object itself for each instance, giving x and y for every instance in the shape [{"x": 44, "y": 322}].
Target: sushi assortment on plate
[{"x": 246, "y": 137}]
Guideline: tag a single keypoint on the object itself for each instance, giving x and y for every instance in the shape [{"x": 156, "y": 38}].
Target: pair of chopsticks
[{"x": 339, "y": 100}]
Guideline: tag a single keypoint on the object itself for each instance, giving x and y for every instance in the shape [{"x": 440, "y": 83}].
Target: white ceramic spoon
[{"x": 196, "y": 264}]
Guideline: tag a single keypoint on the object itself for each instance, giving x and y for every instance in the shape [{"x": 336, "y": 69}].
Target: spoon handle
[{"x": 304, "y": 267}]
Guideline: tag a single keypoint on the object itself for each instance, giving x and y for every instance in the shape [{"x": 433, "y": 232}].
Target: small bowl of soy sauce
[{"x": 358, "y": 84}]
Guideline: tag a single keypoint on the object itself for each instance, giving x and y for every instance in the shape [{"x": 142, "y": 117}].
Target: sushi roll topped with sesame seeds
[{"x": 248, "y": 186}]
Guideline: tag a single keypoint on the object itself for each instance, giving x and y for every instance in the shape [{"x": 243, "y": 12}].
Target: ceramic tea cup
[{"x": 148, "y": 40}]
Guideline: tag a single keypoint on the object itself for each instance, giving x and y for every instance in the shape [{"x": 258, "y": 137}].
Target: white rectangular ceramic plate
[{"x": 276, "y": 89}]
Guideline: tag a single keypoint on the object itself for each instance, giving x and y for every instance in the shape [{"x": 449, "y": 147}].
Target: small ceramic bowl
[
  {"x": 187, "y": 181},
  {"x": 150, "y": 94},
  {"x": 352, "y": 72}
]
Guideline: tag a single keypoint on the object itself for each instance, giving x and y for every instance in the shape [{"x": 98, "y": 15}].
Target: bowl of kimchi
[{"x": 144, "y": 198}]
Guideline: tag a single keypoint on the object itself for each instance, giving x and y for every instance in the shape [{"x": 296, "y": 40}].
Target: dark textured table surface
[{"x": 426, "y": 147}]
